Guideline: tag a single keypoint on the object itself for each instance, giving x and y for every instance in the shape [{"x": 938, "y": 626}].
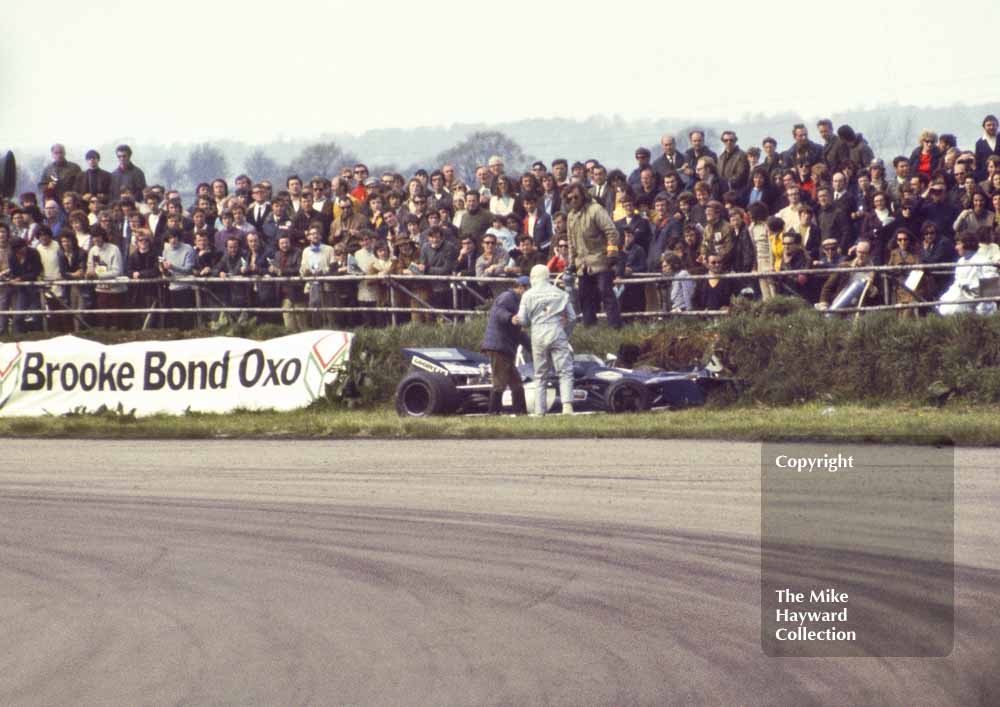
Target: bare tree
[
  {"x": 25, "y": 182},
  {"x": 879, "y": 135},
  {"x": 260, "y": 167},
  {"x": 171, "y": 174},
  {"x": 33, "y": 167},
  {"x": 321, "y": 160},
  {"x": 477, "y": 149},
  {"x": 906, "y": 133},
  {"x": 206, "y": 163}
]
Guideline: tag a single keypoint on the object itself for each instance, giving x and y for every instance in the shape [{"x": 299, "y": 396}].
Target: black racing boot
[{"x": 517, "y": 400}]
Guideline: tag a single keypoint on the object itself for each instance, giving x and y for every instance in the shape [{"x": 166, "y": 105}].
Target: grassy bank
[{"x": 966, "y": 425}]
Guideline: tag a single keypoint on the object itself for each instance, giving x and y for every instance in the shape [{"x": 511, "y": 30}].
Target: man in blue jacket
[{"x": 500, "y": 344}]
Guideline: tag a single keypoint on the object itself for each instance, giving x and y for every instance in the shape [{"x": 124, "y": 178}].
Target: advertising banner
[{"x": 218, "y": 374}]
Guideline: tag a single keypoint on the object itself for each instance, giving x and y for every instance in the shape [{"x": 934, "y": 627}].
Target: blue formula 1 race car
[{"x": 452, "y": 381}]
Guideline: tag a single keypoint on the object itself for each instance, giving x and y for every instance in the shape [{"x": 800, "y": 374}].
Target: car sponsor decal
[{"x": 426, "y": 365}]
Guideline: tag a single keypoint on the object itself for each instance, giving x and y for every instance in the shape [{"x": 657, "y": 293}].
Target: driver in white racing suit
[{"x": 548, "y": 311}]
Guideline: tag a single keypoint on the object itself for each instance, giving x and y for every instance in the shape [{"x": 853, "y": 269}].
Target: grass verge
[{"x": 965, "y": 425}]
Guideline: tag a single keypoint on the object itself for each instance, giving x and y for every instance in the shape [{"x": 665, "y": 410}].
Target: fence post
[
  {"x": 43, "y": 308},
  {"x": 392, "y": 302},
  {"x": 197, "y": 303}
]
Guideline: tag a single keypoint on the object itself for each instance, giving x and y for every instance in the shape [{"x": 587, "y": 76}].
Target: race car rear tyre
[
  {"x": 420, "y": 394},
  {"x": 627, "y": 395}
]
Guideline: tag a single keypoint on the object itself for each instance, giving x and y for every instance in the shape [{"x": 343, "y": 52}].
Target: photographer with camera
[{"x": 594, "y": 247}]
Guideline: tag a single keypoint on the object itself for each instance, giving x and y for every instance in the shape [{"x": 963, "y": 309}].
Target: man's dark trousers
[
  {"x": 594, "y": 288},
  {"x": 505, "y": 376}
]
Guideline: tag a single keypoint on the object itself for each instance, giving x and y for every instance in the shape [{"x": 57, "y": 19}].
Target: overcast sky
[{"x": 197, "y": 70}]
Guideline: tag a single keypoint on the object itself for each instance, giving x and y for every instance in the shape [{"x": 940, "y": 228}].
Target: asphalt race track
[{"x": 431, "y": 573}]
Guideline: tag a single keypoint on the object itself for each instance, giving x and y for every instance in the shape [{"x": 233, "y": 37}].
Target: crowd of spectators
[{"x": 676, "y": 214}]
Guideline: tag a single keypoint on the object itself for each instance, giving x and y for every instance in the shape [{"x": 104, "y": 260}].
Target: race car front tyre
[
  {"x": 420, "y": 394},
  {"x": 627, "y": 395}
]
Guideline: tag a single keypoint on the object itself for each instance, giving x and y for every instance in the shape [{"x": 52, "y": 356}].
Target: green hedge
[
  {"x": 785, "y": 352},
  {"x": 879, "y": 357}
]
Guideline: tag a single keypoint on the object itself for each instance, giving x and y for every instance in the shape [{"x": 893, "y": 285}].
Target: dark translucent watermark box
[{"x": 857, "y": 550}]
